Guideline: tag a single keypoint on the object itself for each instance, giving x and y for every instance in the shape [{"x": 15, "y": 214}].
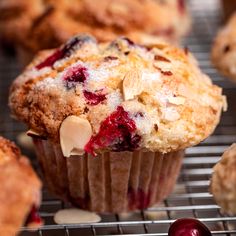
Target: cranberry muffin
[
  {"x": 223, "y": 54},
  {"x": 111, "y": 120},
  {"x": 49, "y": 23},
  {"x": 223, "y": 181},
  {"x": 20, "y": 191}
]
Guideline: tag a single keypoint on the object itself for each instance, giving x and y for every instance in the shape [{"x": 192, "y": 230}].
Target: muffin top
[
  {"x": 20, "y": 190},
  {"x": 117, "y": 96},
  {"x": 24, "y": 22},
  {"x": 223, "y": 52},
  {"x": 223, "y": 181}
]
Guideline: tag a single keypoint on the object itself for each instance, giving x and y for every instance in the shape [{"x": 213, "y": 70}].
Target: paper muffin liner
[{"x": 112, "y": 181}]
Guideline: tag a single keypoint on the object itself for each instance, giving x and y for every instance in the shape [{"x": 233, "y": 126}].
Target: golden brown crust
[
  {"x": 223, "y": 182},
  {"x": 17, "y": 17},
  {"x": 20, "y": 188},
  {"x": 50, "y": 23},
  {"x": 172, "y": 92}
]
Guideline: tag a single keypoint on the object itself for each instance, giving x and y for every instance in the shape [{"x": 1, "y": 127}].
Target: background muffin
[
  {"x": 223, "y": 181},
  {"x": 229, "y": 8},
  {"x": 20, "y": 190},
  {"x": 223, "y": 53},
  {"x": 134, "y": 107},
  {"x": 47, "y": 24}
]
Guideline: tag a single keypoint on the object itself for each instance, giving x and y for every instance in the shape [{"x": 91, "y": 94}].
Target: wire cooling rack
[{"x": 191, "y": 197}]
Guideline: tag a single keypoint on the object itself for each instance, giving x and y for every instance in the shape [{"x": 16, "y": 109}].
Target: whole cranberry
[{"x": 188, "y": 227}]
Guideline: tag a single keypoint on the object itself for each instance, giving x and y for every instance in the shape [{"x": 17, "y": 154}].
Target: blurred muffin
[
  {"x": 229, "y": 6},
  {"x": 135, "y": 108},
  {"x": 49, "y": 23},
  {"x": 20, "y": 191},
  {"x": 223, "y": 181},
  {"x": 17, "y": 17},
  {"x": 223, "y": 53}
]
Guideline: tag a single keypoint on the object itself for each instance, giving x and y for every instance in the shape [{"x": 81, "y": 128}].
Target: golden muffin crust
[
  {"x": 223, "y": 182},
  {"x": 50, "y": 23},
  {"x": 20, "y": 189},
  {"x": 223, "y": 52},
  {"x": 171, "y": 103},
  {"x": 17, "y": 17}
]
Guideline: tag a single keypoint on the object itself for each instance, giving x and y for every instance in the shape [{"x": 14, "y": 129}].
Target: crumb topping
[{"x": 172, "y": 103}]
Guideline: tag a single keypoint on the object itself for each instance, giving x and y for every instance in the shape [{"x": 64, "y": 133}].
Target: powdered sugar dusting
[
  {"x": 149, "y": 77},
  {"x": 114, "y": 99},
  {"x": 51, "y": 83},
  {"x": 170, "y": 114}
]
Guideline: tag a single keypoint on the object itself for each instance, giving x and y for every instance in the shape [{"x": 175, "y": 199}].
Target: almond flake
[
  {"x": 176, "y": 100},
  {"x": 75, "y": 132},
  {"x": 132, "y": 84}
]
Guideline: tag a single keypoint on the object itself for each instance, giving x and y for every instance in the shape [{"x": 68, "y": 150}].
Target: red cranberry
[
  {"x": 94, "y": 98},
  {"x": 188, "y": 227},
  {"x": 74, "y": 75},
  {"x": 65, "y": 51},
  {"x": 49, "y": 61},
  {"x": 181, "y": 6},
  {"x": 33, "y": 217},
  {"x": 116, "y": 132}
]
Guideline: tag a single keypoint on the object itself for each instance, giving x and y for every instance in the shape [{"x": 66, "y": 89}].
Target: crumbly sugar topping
[{"x": 165, "y": 96}]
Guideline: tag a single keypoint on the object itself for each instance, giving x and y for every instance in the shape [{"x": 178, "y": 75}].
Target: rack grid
[{"x": 191, "y": 197}]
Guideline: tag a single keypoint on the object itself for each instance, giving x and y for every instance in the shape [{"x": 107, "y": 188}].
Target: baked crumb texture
[
  {"x": 20, "y": 190},
  {"x": 164, "y": 102},
  {"x": 223, "y": 54},
  {"x": 223, "y": 182},
  {"x": 46, "y": 24}
]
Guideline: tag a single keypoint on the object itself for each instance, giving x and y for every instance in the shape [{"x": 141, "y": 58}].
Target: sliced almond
[
  {"x": 225, "y": 104},
  {"x": 171, "y": 114},
  {"x": 75, "y": 216},
  {"x": 163, "y": 65},
  {"x": 34, "y": 134},
  {"x": 75, "y": 132},
  {"x": 132, "y": 84},
  {"x": 176, "y": 100}
]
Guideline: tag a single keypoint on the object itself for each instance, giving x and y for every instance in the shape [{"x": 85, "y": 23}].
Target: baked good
[
  {"x": 48, "y": 24},
  {"x": 17, "y": 16},
  {"x": 223, "y": 181},
  {"x": 223, "y": 53},
  {"x": 20, "y": 191},
  {"x": 229, "y": 7},
  {"x": 136, "y": 108}
]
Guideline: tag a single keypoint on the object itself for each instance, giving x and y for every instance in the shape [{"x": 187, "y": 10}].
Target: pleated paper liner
[{"x": 112, "y": 181}]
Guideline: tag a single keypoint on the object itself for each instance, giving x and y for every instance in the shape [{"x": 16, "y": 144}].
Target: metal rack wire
[{"x": 191, "y": 197}]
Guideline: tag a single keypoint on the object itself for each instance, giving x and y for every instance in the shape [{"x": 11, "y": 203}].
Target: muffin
[
  {"x": 47, "y": 24},
  {"x": 223, "y": 181},
  {"x": 229, "y": 6},
  {"x": 223, "y": 53},
  {"x": 111, "y": 121},
  {"x": 20, "y": 191}
]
